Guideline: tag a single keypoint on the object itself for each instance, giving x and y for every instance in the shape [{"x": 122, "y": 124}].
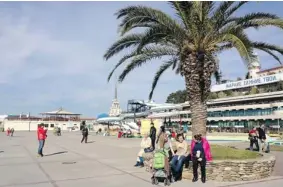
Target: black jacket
[
  {"x": 152, "y": 133},
  {"x": 261, "y": 134},
  {"x": 85, "y": 131}
]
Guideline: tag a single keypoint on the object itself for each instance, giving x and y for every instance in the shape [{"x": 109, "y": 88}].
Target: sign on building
[{"x": 248, "y": 83}]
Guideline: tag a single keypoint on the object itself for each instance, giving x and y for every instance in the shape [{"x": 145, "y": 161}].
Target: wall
[
  {"x": 32, "y": 125},
  {"x": 230, "y": 170}
]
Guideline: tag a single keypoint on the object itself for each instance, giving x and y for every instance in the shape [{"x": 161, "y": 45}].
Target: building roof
[
  {"x": 87, "y": 118},
  {"x": 271, "y": 69},
  {"x": 60, "y": 111}
]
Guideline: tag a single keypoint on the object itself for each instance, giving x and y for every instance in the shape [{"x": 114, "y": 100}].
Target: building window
[
  {"x": 75, "y": 124},
  {"x": 52, "y": 125},
  {"x": 64, "y": 124},
  {"x": 46, "y": 125}
]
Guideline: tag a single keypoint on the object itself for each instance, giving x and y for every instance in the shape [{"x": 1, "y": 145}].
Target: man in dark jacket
[
  {"x": 152, "y": 135},
  {"x": 261, "y": 138},
  {"x": 84, "y": 132}
]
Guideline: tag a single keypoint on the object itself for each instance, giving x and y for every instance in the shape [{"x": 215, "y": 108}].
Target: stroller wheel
[
  {"x": 155, "y": 181},
  {"x": 167, "y": 182}
]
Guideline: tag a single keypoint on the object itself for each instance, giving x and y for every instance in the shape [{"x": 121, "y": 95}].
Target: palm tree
[{"x": 189, "y": 44}]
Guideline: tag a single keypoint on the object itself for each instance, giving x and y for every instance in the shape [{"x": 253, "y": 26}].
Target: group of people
[
  {"x": 199, "y": 153},
  {"x": 10, "y": 132},
  {"x": 258, "y": 137}
]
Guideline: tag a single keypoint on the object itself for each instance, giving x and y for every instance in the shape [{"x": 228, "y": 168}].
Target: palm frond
[
  {"x": 223, "y": 19},
  {"x": 142, "y": 58},
  {"x": 253, "y": 16},
  {"x": 183, "y": 9},
  {"x": 272, "y": 54},
  {"x": 268, "y": 48},
  {"x": 235, "y": 8},
  {"x": 219, "y": 14},
  {"x": 141, "y": 16},
  {"x": 223, "y": 47},
  {"x": 159, "y": 34},
  {"x": 158, "y": 74},
  {"x": 261, "y": 23},
  {"x": 125, "y": 42},
  {"x": 154, "y": 51},
  {"x": 261, "y": 45},
  {"x": 217, "y": 76},
  {"x": 241, "y": 42}
]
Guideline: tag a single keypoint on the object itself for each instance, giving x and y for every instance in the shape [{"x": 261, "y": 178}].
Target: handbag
[{"x": 148, "y": 150}]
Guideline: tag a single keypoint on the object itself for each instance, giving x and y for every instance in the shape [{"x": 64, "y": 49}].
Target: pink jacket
[{"x": 206, "y": 148}]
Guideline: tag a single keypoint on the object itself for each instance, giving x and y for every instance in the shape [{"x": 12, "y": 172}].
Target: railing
[{"x": 18, "y": 119}]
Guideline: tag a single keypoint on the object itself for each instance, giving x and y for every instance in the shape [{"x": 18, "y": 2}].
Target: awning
[{"x": 60, "y": 111}]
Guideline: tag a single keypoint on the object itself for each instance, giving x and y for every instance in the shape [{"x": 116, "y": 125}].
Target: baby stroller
[{"x": 161, "y": 168}]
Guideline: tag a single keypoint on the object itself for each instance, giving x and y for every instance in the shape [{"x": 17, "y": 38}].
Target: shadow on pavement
[
  {"x": 91, "y": 142},
  {"x": 57, "y": 153}
]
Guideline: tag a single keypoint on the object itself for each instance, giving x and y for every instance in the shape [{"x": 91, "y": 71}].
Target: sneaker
[
  {"x": 203, "y": 179},
  {"x": 137, "y": 164},
  {"x": 141, "y": 165}
]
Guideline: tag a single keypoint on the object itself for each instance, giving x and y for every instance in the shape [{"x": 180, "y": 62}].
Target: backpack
[{"x": 159, "y": 159}]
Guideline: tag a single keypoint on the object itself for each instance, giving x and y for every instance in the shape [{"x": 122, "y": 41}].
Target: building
[
  {"x": 238, "y": 113},
  {"x": 255, "y": 69},
  {"x": 115, "y": 109},
  {"x": 58, "y": 118}
]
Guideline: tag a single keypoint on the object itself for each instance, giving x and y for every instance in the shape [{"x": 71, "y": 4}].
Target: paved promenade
[{"x": 104, "y": 162}]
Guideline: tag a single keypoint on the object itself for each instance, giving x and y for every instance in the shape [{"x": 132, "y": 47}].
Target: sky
[{"x": 51, "y": 56}]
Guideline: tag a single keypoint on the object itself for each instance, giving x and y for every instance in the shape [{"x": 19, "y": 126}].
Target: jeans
[
  {"x": 141, "y": 159},
  {"x": 40, "y": 147},
  {"x": 177, "y": 164}
]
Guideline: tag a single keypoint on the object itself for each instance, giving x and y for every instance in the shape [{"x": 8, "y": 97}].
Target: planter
[{"x": 229, "y": 170}]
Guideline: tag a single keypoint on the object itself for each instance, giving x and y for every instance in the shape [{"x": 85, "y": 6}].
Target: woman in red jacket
[{"x": 41, "y": 136}]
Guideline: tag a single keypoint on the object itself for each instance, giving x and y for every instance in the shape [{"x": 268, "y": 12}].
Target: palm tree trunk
[
  {"x": 198, "y": 110},
  {"x": 197, "y": 72}
]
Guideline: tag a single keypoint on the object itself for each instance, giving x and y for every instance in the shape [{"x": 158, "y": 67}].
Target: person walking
[
  {"x": 200, "y": 153},
  {"x": 12, "y": 131},
  {"x": 8, "y": 131},
  {"x": 152, "y": 135},
  {"x": 84, "y": 132},
  {"x": 261, "y": 138},
  {"x": 41, "y": 136}
]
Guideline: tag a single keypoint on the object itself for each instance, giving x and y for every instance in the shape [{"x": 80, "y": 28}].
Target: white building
[
  {"x": 58, "y": 118},
  {"x": 115, "y": 109},
  {"x": 255, "y": 70}
]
